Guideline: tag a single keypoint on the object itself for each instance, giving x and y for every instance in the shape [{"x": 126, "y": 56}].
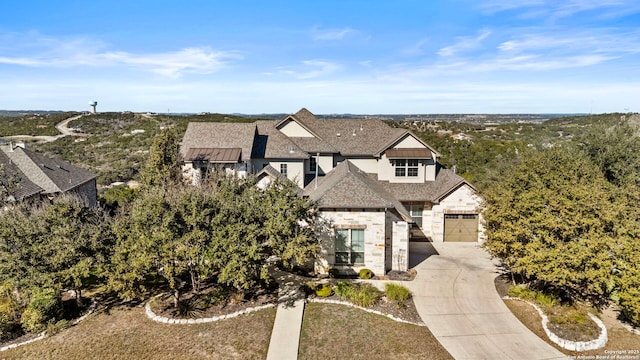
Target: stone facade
[{"x": 463, "y": 199}]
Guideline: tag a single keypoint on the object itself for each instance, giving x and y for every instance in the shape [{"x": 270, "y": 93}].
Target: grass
[
  {"x": 126, "y": 333},
  {"x": 619, "y": 338},
  {"x": 339, "y": 332}
]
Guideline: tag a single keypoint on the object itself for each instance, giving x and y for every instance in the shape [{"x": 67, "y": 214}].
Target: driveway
[{"x": 455, "y": 295}]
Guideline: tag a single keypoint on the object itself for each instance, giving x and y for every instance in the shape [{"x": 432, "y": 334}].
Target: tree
[
  {"x": 53, "y": 244},
  {"x": 552, "y": 219},
  {"x": 615, "y": 150},
  {"x": 227, "y": 231},
  {"x": 163, "y": 164}
]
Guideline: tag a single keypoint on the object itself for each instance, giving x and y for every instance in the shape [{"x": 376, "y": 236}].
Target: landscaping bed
[
  {"x": 403, "y": 309},
  {"x": 209, "y": 302}
]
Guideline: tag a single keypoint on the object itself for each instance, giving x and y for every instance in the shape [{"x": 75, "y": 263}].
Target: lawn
[
  {"x": 340, "y": 332},
  {"x": 619, "y": 337},
  {"x": 126, "y": 333}
]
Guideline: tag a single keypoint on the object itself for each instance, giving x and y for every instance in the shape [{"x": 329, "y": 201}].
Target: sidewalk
[{"x": 285, "y": 336}]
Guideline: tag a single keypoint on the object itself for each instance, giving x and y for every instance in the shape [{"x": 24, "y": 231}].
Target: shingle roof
[
  {"x": 272, "y": 144},
  {"x": 25, "y": 187},
  {"x": 219, "y": 135},
  {"x": 52, "y": 175},
  {"x": 347, "y": 186},
  {"x": 275, "y": 174},
  {"x": 433, "y": 191},
  {"x": 349, "y": 137}
]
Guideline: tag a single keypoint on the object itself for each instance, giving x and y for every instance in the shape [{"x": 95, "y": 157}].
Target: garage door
[{"x": 460, "y": 227}]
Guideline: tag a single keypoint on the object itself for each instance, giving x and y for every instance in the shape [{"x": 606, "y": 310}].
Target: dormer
[{"x": 407, "y": 160}]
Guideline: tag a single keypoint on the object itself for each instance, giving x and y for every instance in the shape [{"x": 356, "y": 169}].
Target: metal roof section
[
  {"x": 214, "y": 155},
  {"x": 419, "y": 153}
]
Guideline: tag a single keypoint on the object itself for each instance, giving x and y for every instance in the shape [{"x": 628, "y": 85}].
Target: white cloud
[
  {"x": 559, "y": 9},
  {"x": 61, "y": 53},
  {"x": 331, "y": 34},
  {"x": 311, "y": 69},
  {"x": 464, "y": 43}
]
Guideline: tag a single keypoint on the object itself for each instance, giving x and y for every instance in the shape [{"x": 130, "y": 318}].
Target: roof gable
[
  {"x": 347, "y": 186},
  {"x": 406, "y": 140}
]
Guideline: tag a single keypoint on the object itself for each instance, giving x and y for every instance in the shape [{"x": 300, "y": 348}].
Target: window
[
  {"x": 416, "y": 214},
  {"x": 283, "y": 169},
  {"x": 349, "y": 246},
  {"x": 406, "y": 167},
  {"x": 312, "y": 164}
]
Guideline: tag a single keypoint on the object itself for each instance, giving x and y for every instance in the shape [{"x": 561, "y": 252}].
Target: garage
[{"x": 460, "y": 227}]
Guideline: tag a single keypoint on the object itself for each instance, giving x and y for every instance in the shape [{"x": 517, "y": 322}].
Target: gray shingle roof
[
  {"x": 347, "y": 186},
  {"x": 350, "y": 137},
  {"x": 219, "y": 135},
  {"x": 25, "y": 187},
  {"x": 272, "y": 144},
  {"x": 433, "y": 191},
  {"x": 276, "y": 175},
  {"x": 52, "y": 175}
]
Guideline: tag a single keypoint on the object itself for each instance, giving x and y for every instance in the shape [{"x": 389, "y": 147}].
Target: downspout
[{"x": 317, "y": 165}]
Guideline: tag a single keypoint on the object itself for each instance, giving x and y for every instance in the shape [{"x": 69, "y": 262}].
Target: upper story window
[
  {"x": 283, "y": 169},
  {"x": 312, "y": 164},
  {"x": 406, "y": 167}
]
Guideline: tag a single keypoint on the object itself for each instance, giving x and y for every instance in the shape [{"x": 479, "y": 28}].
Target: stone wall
[{"x": 374, "y": 239}]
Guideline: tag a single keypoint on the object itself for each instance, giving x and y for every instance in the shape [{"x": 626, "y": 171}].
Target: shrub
[
  {"x": 334, "y": 273},
  {"x": 397, "y": 293},
  {"x": 365, "y": 295},
  {"x": 45, "y": 308},
  {"x": 365, "y": 274},
  {"x": 344, "y": 289},
  {"x": 323, "y": 290}
]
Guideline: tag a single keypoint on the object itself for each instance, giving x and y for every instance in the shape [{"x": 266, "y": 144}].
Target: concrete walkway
[
  {"x": 455, "y": 296},
  {"x": 285, "y": 336}
]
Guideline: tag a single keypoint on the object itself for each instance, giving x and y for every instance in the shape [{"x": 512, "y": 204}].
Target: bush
[
  {"x": 344, "y": 289},
  {"x": 365, "y": 295},
  {"x": 323, "y": 290},
  {"x": 397, "y": 293},
  {"x": 45, "y": 308},
  {"x": 365, "y": 274}
]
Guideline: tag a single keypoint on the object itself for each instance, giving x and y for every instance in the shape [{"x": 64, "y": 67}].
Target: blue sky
[{"x": 330, "y": 56}]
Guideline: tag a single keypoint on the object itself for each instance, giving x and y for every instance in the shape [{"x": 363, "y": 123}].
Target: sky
[{"x": 330, "y": 56}]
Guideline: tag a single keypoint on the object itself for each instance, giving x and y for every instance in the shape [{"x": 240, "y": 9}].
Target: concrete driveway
[{"x": 455, "y": 295}]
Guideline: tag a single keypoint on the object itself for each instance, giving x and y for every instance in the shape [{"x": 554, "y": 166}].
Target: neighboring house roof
[
  {"x": 272, "y": 144},
  {"x": 347, "y": 186},
  {"x": 50, "y": 175},
  {"x": 219, "y": 135},
  {"x": 24, "y": 187},
  {"x": 432, "y": 191}
]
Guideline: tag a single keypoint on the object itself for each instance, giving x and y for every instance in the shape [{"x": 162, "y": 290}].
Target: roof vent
[
  {"x": 354, "y": 132},
  {"x": 338, "y": 134},
  {"x": 361, "y": 128}
]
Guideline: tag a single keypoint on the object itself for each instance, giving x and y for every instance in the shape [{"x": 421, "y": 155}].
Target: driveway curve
[{"x": 455, "y": 296}]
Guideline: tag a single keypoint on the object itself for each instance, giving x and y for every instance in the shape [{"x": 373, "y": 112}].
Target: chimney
[{"x": 21, "y": 144}]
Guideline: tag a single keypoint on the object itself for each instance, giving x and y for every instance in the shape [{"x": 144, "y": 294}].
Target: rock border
[
  {"x": 595, "y": 344},
  {"x": 161, "y": 319},
  {"x": 346, "y": 303},
  {"x": 43, "y": 334}
]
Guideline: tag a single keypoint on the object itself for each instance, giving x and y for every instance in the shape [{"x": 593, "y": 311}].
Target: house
[
  {"x": 376, "y": 187},
  {"x": 36, "y": 175}
]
